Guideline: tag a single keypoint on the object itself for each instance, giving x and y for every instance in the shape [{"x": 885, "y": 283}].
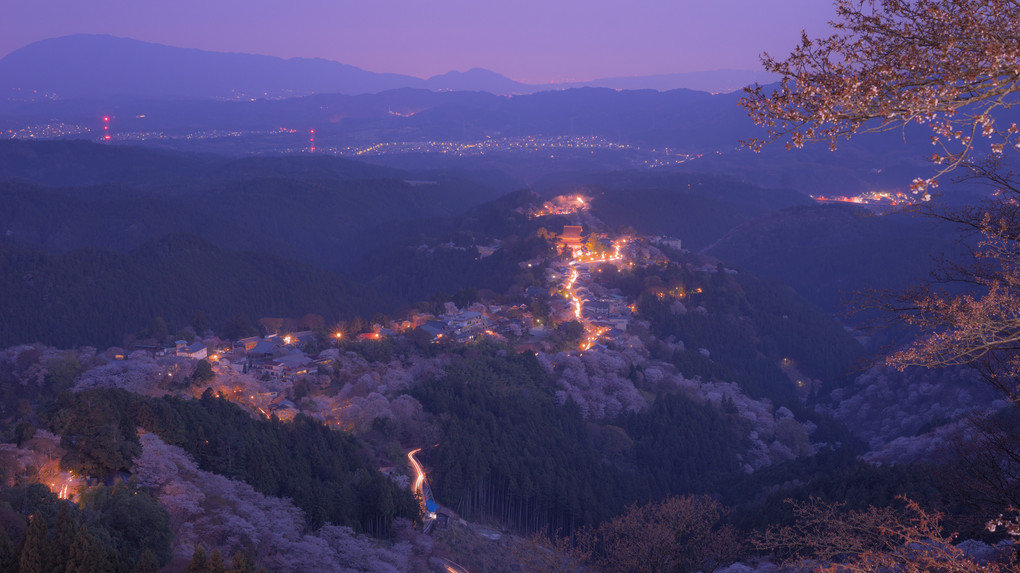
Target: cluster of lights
[
  {"x": 678, "y": 293},
  {"x": 64, "y": 484},
  {"x": 890, "y": 198},
  {"x": 592, "y": 333},
  {"x": 509, "y": 144},
  {"x": 563, "y": 205},
  {"x": 591, "y": 257}
]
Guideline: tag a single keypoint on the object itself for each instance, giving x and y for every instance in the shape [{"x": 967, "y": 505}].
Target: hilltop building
[{"x": 571, "y": 238}]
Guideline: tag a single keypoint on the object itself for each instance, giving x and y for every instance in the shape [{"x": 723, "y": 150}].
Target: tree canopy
[
  {"x": 954, "y": 66},
  {"x": 947, "y": 64}
]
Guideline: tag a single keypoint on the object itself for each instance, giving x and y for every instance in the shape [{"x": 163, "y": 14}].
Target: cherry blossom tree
[
  {"x": 954, "y": 67},
  {"x": 675, "y": 534},
  {"x": 827, "y": 537},
  {"x": 951, "y": 65}
]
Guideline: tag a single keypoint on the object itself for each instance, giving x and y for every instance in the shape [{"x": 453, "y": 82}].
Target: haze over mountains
[{"x": 93, "y": 66}]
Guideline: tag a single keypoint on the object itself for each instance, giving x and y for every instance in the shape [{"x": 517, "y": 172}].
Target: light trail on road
[
  {"x": 419, "y": 479},
  {"x": 419, "y": 488}
]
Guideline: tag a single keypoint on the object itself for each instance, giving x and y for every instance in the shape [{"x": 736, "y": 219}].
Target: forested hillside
[
  {"x": 324, "y": 472},
  {"x": 698, "y": 208},
  {"x": 320, "y": 210},
  {"x": 826, "y": 252},
  {"x": 96, "y": 297}
]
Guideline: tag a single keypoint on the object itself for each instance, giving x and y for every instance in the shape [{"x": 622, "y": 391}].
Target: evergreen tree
[
  {"x": 241, "y": 562},
  {"x": 158, "y": 329},
  {"x": 238, "y": 327},
  {"x": 147, "y": 563},
  {"x": 200, "y": 322},
  {"x": 215, "y": 564},
  {"x": 85, "y": 555},
  {"x": 63, "y": 536},
  {"x": 9, "y": 555},
  {"x": 35, "y": 550},
  {"x": 203, "y": 372},
  {"x": 198, "y": 561},
  {"x": 356, "y": 325}
]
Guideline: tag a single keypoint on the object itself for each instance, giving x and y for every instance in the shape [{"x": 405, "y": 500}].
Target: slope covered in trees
[
  {"x": 737, "y": 327},
  {"x": 96, "y": 297},
  {"x": 325, "y": 472},
  {"x": 697, "y": 208},
  {"x": 443, "y": 256},
  {"x": 510, "y": 452},
  {"x": 826, "y": 252},
  {"x": 80, "y": 163},
  {"x": 118, "y": 529},
  {"x": 322, "y": 210}
]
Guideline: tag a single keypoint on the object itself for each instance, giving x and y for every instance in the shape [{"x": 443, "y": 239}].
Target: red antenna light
[
  {"x": 311, "y": 140},
  {"x": 106, "y": 128}
]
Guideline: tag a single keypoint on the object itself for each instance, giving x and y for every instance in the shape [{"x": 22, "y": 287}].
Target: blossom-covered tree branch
[{"x": 948, "y": 64}]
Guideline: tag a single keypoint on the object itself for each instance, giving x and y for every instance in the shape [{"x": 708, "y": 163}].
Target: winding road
[{"x": 421, "y": 488}]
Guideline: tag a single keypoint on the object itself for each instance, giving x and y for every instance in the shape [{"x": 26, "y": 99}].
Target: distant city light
[{"x": 887, "y": 198}]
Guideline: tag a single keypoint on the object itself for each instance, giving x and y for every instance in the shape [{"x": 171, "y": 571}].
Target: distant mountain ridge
[{"x": 100, "y": 66}]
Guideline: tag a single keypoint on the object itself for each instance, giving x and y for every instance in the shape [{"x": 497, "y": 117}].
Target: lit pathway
[{"x": 591, "y": 332}]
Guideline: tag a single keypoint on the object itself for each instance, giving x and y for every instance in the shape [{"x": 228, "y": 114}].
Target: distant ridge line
[{"x": 102, "y": 66}]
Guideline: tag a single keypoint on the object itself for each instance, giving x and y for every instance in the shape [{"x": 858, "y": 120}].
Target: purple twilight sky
[{"x": 528, "y": 40}]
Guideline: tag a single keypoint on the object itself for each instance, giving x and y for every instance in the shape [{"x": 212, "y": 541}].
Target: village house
[
  {"x": 468, "y": 321},
  {"x": 671, "y": 242},
  {"x": 597, "y": 308},
  {"x": 273, "y": 368},
  {"x": 263, "y": 350},
  {"x": 196, "y": 350},
  {"x": 434, "y": 328},
  {"x": 303, "y": 337},
  {"x": 296, "y": 363},
  {"x": 247, "y": 343}
]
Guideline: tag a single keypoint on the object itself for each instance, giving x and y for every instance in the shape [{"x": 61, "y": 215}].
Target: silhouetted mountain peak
[
  {"x": 92, "y": 65},
  {"x": 103, "y": 66}
]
